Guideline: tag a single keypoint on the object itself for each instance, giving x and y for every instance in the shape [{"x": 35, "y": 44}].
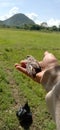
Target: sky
[{"x": 38, "y": 10}]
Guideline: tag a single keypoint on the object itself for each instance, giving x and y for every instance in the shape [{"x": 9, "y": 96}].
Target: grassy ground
[{"x": 15, "y": 87}]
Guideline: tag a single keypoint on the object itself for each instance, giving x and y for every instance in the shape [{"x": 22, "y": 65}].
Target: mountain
[{"x": 17, "y": 20}]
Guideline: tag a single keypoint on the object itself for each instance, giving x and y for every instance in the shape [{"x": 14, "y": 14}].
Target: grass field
[{"x": 15, "y": 87}]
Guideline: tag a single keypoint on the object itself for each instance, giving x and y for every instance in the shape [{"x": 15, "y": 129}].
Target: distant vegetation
[
  {"x": 33, "y": 27},
  {"x": 40, "y": 28},
  {"x": 20, "y": 21}
]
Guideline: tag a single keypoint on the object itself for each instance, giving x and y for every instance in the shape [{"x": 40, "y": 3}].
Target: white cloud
[
  {"x": 53, "y": 22},
  {"x": 34, "y": 17},
  {"x": 13, "y": 11},
  {"x": 50, "y": 22}
]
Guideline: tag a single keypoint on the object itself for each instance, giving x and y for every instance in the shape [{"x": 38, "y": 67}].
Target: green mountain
[{"x": 17, "y": 20}]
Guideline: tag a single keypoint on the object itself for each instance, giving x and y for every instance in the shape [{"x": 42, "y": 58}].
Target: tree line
[{"x": 42, "y": 27}]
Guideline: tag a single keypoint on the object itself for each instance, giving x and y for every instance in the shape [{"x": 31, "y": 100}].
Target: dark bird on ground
[{"x": 24, "y": 116}]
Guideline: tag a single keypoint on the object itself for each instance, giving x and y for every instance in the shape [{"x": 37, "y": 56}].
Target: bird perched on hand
[{"x": 32, "y": 66}]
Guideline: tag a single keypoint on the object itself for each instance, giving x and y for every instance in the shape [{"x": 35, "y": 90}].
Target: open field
[{"x": 15, "y": 87}]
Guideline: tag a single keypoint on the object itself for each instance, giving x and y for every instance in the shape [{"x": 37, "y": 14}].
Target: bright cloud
[
  {"x": 34, "y": 17},
  {"x": 53, "y": 22},
  {"x": 13, "y": 11},
  {"x": 50, "y": 22}
]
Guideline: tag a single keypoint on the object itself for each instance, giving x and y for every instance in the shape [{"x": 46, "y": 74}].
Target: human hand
[
  {"x": 49, "y": 60},
  {"x": 22, "y": 68}
]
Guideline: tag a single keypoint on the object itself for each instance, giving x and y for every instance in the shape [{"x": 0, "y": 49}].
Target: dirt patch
[{"x": 14, "y": 89}]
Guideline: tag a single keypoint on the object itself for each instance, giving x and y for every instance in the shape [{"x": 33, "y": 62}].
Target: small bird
[
  {"x": 32, "y": 66},
  {"x": 24, "y": 116}
]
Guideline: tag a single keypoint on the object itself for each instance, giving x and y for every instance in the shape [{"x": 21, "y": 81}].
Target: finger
[
  {"x": 40, "y": 62},
  {"x": 16, "y": 64},
  {"x": 45, "y": 53},
  {"x": 39, "y": 76},
  {"x": 42, "y": 65},
  {"x": 23, "y": 63},
  {"x": 23, "y": 70}
]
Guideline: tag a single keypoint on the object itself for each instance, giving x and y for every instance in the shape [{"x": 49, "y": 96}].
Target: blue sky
[{"x": 38, "y": 10}]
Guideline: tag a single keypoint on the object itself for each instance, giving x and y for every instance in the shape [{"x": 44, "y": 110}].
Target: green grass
[{"x": 15, "y": 87}]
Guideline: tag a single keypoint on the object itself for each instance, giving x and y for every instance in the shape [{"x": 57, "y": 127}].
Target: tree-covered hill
[{"x": 17, "y": 20}]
